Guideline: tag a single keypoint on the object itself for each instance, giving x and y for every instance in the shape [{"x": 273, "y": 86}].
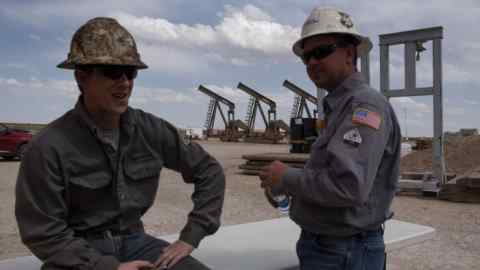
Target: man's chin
[
  {"x": 320, "y": 84},
  {"x": 120, "y": 109}
]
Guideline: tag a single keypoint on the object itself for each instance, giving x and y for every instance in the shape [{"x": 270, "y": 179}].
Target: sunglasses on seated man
[
  {"x": 322, "y": 51},
  {"x": 112, "y": 72}
]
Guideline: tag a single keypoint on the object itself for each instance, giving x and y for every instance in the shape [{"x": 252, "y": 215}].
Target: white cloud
[
  {"x": 170, "y": 59},
  {"x": 161, "y": 30},
  {"x": 144, "y": 95},
  {"x": 248, "y": 28},
  {"x": 408, "y": 105},
  {"x": 35, "y": 87},
  {"x": 457, "y": 73},
  {"x": 251, "y": 28},
  {"x": 249, "y": 11}
]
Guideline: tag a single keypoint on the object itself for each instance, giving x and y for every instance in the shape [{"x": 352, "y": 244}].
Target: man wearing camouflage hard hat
[
  {"x": 89, "y": 176},
  {"x": 342, "y": 197}
]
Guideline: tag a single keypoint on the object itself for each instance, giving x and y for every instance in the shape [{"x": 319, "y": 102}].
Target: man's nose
[
  {"x": 313, "y": 61},
  {"x": 124, "y": 79}
]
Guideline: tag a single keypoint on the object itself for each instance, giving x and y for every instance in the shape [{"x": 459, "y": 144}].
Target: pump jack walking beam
[
  {"x": 255, "y": 104},
  {"x": 304, "y": 97},
  {"x": 215, "y": 99}
]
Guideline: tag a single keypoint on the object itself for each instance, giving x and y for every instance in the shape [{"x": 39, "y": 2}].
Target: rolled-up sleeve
[
  {"x": 204, "y": 171},
  {"x": 346, "y": 174},
  {"x": 41, "y": 210}
]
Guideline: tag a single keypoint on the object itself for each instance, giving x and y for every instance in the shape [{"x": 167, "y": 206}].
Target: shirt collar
[
  {"x": 127, "y": 120},
  {"x": 334, "y": 97}
]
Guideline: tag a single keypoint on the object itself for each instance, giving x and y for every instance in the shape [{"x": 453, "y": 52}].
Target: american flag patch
[{"x": 365, "y": 117}]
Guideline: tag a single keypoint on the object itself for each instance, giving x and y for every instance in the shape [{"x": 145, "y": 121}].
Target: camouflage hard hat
[{"x": 102, "y": 41}]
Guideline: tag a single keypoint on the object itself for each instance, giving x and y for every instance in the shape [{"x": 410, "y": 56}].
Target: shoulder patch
[
  {"x": 366, "y": 117},
  {"x": 353, "y": 137}
]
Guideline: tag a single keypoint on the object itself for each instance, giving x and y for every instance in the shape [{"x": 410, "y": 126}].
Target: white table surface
[{"x": 263, "y": 245}]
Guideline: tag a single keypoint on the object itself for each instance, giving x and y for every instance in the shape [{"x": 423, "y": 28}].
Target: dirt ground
[
  {"x": 456, "y": 244},
  {"x": 461, "y": 155}
]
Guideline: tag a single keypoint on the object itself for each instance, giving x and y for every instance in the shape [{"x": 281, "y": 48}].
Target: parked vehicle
[{"x": 13, "y": 142}]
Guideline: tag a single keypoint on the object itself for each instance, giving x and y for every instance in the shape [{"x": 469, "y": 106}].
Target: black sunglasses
[
  {"x": 321, "y": 52},
  {"x": 116, "y": 72}
]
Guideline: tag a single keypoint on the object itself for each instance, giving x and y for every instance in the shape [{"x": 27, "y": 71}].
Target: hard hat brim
[{"x": 69, "y": 65}]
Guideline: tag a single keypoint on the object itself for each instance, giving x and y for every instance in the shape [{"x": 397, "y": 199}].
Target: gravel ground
[{"x": 456, "y": 244}]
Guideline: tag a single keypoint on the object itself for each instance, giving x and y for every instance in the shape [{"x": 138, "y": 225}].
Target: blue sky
[{"x": 220, "y": 43}]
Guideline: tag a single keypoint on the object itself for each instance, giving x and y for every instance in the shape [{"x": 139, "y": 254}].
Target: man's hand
[
  {"x": 135, "y": 265},
  {"x": 173, "y": 254},
  {"x": 270, "y": 199},
  {"x": 272, "y": 174}
]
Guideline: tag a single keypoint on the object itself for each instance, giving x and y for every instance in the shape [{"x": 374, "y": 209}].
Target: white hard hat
[{"x": 331, "y": 21}]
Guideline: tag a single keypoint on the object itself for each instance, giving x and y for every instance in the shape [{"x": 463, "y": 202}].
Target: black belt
[
  {"x": 111, "y": 232},
  {"x": 365, "y": 233},
  {"x": 360, "y": 234}
]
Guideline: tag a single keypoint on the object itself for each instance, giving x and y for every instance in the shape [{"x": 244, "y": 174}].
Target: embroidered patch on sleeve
[
  {"x": 352, "y": 137},
  {"x": 365, "y": 117}
]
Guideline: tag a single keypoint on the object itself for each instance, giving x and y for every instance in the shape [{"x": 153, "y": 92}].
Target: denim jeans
[
  {"x": 365, "y": 251},
  {"x": 140, "y": 246}
]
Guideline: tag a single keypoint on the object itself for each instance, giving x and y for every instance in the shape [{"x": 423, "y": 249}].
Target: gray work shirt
[
  {"x": 349, "y": 182},
  {"x": 72, "y": 181}
]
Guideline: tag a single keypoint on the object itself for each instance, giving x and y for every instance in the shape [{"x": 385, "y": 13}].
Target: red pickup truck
[{"x": 13, "y": 142}]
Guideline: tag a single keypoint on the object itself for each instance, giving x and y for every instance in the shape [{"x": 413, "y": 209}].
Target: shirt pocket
[
  {"x": 90, "y": 189},
  {"x": 142, "y": 166},
  {"x": 142, "y": 171},
  {"x": 91, "y": 181}
]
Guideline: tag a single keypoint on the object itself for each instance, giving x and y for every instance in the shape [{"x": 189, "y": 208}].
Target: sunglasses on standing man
[{"x": 322, "y": 51}]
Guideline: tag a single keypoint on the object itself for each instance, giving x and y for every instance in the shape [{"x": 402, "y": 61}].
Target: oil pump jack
[
  {"x": 303, "y": 131},
  {"x": 234, "y": 129},
  {"x": 275, "y": 130},
  {"x": 300, "y": 103}
]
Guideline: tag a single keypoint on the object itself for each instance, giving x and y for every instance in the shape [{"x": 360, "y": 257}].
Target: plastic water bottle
[{"x": 283, "y": 202}]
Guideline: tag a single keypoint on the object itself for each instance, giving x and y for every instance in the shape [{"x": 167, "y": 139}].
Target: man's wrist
[
  {"x": 192, "y": 235},
  {"x": 290, "y": 179}
]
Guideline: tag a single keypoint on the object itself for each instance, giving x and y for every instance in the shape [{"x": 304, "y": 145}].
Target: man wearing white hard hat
[{"x": 342, "y": 197}]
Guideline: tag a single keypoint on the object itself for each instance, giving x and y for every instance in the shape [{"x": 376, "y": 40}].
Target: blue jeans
[
  {"x": 365, "y": 251},
  {"x": 140, "y": 246}
]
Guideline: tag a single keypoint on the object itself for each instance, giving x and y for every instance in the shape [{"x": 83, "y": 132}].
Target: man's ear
[
  {"x": 350, "y": 53},
  {"x": 80, "y": 77}
]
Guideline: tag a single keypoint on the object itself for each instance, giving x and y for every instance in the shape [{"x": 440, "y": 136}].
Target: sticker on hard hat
[{"x": 346, "y": 20}]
